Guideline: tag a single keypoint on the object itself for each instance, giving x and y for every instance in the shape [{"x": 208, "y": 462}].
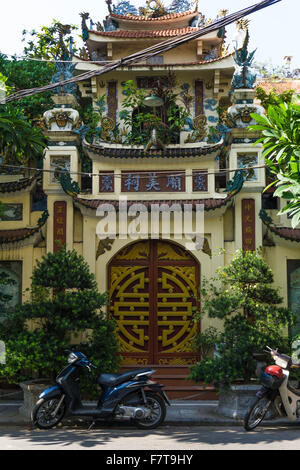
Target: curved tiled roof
[
  {"x": 11, "y": 236},
  {"x": 176, "y": 152},
  {"x": 146, "y": 34},
  {"x": 288, "y": 233},
  {"x": 13, "y": 186},
  {"x": 170, "y": 16},
  {"x": 20, "y": 234},
  {"x": 292, "y": 234},
  {"x": 209, "y": 203}
]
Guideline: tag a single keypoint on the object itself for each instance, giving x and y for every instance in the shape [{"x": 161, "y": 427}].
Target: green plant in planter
[
  {"x": 65, "y": 305},
  {"x": 242, "y": 296},
  {"x": 139, "y": 120}
]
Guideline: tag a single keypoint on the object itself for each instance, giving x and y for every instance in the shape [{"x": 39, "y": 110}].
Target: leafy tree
[
  {"x": 46, "y": 43},
  {"x": 65, "y": 306},
  {"x": 23, "y": 74},
  {"x": 281, "y": 143},
  {"x": 273, "y": 98},
  {"x": 20, "y": 141},
  {"x": 242, "y": 296}
]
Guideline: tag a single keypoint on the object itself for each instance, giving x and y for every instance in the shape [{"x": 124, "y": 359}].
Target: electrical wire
[
  {"x": 148, "y": 52},
  {"x": 158, "y": 174}
]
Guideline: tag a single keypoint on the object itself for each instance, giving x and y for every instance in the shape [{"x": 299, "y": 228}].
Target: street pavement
[
  {"x": 181, "y": 412},
  {"x": 189, "y": 426},
  {"x": 170, "y": 439}
]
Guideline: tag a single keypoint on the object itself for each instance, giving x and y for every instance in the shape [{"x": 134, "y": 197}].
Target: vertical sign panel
[
  {"x": 112, "y": 101},
  {"x": 199, "y": 109},
  {"x": 60, "y": 225},
  {"x": 248, "y": 224}
]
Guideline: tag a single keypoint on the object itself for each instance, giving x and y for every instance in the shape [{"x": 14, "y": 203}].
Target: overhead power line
[
  {"x": 158, "y": 173},
  {"x": 148, "y": 52}
]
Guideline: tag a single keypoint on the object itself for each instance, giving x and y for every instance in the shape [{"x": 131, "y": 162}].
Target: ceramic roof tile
[
  {"x": 170, "y": 16},
  {"x": 209, "y": 203},
  {"x": 146, "y": 34}
]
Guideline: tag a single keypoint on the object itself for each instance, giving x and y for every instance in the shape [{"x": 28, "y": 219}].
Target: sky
[{"x": 274, "y": 31}]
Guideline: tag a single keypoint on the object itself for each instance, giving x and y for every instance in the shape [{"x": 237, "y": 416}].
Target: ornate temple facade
[{"x": 172, "y": 159}]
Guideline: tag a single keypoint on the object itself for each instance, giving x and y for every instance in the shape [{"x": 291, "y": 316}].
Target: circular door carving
[{"x": 153, "y": 291}]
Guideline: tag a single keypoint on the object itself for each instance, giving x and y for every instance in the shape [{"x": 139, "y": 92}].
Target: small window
[{"x": 269, "y": 201}]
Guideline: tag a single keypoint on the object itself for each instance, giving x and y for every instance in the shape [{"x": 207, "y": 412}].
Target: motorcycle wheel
[
  {"x": 42, "y": 413},
  {"x": 256, "y": 413},
  {"x": 157, "y": 415}
]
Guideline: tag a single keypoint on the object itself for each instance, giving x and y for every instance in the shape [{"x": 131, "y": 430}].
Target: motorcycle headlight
[{"x": 72, "y": 358}]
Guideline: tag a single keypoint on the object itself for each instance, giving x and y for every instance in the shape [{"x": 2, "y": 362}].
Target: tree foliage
[
  {"x": 242, "y": 296},
  {"x": 45, "y": 43},
  {"x": 65, "y": 307},
  {"x": 280, "y": 129}
]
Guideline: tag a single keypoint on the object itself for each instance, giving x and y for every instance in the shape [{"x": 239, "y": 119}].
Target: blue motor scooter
[{"x": 128, "y": 396}]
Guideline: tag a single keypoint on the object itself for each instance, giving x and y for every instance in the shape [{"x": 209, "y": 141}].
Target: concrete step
[{"x": 177, "y": 385}]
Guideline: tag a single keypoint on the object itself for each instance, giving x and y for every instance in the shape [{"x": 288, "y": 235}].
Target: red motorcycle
[{"x": 276, "y": 390}]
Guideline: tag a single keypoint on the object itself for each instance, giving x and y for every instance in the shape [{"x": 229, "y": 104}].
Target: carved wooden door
[{"x": 154, "y": 287}]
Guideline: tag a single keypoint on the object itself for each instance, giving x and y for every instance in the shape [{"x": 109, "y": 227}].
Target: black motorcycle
[{"x": 128, "y": 396}]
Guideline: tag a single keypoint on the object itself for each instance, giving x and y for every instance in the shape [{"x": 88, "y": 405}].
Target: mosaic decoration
[
  {"x": 200, "y": 130},
  {"x": 244, "y": 76},
  {"x": 124, "y": 8},
  {"x": 178, "y": 6},
  {"x": 12, "y": 212},
  {"x": 245, "y": 160},
  {"x": 59, "y": 163},
  {"x": 12, "y": 271},
  {"x": 294, "y": 292}
]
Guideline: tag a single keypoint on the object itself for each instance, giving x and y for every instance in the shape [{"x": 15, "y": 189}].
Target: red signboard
[
  {"x": 155, "y": 181},
  {"x": 60, "y": 225},
  {"x": 248, "y": 224}
]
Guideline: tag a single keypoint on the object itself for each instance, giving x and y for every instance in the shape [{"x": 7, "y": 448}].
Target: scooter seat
[{"x": 112, "y": 380}]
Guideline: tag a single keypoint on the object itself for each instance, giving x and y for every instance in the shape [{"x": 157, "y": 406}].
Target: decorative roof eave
[
  {"x": 224, "y": 62},
  {"x": 23, "y": 185},
  {"x": 118, "y": 151},
  {"x": 23, "y": 236},
  {"x": 212, "y": 206},
  {"x": 164, "y": 18},
  {"x": 284, "y": 233},
  {"x": 137, "y": 34}
]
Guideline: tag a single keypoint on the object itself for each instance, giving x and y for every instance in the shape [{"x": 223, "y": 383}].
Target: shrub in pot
[
  {"x": 65, "y": 306},
  {"x": 242, "y": 296}
]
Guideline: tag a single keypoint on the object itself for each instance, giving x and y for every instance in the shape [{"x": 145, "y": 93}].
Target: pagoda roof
[
  {"x": 286, "y": 233},
  {"x": 169, "y": 152},
  {"x": 210, "y": 204},
  {"x": 146, "y": 33},
  {"x": 32, "y": 235},
  {"x": 14, "y": 186},
  {"x": 141, "y": 18}
]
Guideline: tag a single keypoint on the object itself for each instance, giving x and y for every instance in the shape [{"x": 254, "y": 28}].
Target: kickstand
[{"x": 91, "y": 425}]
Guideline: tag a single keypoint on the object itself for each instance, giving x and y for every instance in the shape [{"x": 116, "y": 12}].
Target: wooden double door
[{"x": 154, "y": 290}]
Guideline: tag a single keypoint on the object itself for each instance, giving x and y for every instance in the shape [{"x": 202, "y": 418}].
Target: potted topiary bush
[
  {"x": 65, "y": 308},
  {"x": 241, "y": 295}
]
